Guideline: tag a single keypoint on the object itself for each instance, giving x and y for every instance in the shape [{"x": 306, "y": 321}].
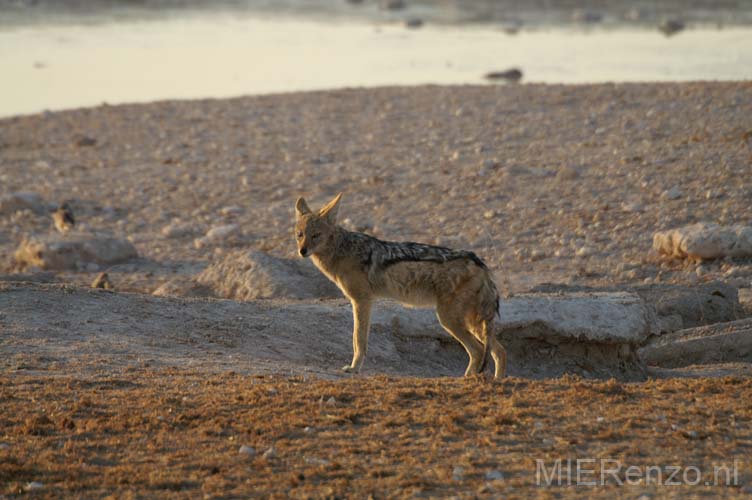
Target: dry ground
[
  {"x": 177, "y": 434},
  {"x": 546, "y": 183}
]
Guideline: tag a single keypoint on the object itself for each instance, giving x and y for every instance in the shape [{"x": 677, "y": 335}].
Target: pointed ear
[
  {"x": 329, "y": 211},
  {"x": 301, "y": 208}
]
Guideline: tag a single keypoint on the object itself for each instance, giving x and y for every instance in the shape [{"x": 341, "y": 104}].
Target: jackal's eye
[
  {"x": 315, "y": 236},
  {"x": 300, "y": 234}
]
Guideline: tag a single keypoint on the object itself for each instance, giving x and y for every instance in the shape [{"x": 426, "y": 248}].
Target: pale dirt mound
[
  {"x": 248, "y": 275},
  {"x": 61, "y": 327}
]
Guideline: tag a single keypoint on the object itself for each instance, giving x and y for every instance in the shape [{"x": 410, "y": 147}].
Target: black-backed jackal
[{"x": 456, "y": 282}]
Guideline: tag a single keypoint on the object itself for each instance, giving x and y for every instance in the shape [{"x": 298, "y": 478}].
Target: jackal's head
[{"x": 315, "y": 230}]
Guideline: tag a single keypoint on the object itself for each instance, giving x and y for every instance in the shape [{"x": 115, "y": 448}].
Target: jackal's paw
[{"x": 348, "y": 369}]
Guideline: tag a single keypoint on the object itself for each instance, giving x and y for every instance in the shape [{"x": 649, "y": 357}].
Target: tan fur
[{"x": 462, "y": 291}]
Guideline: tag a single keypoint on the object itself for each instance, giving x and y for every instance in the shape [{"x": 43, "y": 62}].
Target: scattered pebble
[
  {"x": 584, "y": 252},
  {"x": 33, "y": 486},
  {"x": 270, "y": 453},
  {"x": 231, "y": 211},
  {"x": 458, "y": 473},
  {"x": 494, "y": 475},
  {"x": 247, "y": 450},
  {"x": 672, "y": 194}
]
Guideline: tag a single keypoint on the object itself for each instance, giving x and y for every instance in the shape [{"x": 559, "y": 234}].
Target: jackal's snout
[{"x": 303, "y": 252}]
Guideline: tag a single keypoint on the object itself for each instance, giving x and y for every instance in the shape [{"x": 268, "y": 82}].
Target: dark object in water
[
  {"x": 413, "y": 23},
  {"x": 671, "y": 26},
  {"x": 392, "y": 4},
  {"x": 511, "y": 75}
]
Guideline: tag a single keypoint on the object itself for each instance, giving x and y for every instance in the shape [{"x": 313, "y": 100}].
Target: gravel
[{"x": 545, "y": 182}]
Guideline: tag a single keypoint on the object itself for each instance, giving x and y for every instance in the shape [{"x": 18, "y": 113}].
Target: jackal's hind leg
[
  {"x": 454, "y": 324},
  {"x": 498, "y": 353}
]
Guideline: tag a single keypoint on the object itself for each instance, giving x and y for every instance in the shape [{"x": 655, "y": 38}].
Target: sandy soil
[{"x": 178, "y": 434}]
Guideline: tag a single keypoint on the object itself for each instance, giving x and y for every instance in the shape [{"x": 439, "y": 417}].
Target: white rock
[
  {"x": 705, "y": 240},
  {"x": 618, "y": 317},
  {"x": 458, "y": 473},
  {"x": 331, "y": 401},
  {"x": 219, "y": 233},
  {"x": 316, "y": 461},
  {"x": 231, "y": 211},
  {"x": 270, "y": 453},
  {"x": 33, "y": 486},
  {"x": 494, "y": 475},
  {"x": 4, "y": 446},
  {"x": 632, "y": 206},
  {"x": 584, "y": 251},
  {"x": 672, "y": 194},
  {"x": 247, "y": 450}
]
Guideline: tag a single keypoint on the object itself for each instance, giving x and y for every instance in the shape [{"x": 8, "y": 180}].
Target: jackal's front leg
[{"x": 361, "y": 325}]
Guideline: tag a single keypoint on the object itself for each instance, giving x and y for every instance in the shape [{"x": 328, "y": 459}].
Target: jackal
[{"x": 456, "y": 282}]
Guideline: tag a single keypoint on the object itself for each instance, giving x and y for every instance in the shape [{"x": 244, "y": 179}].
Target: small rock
[
  {"x": 270, "y": 453},
  {"x": 600, "y": 419},
  {"x": 308, "y": 429},
  {"x": 84, "y": 141},
  {"x": 567, "y": 173},
  {"x": 494, "y": 475},
  {"x": 177, "y": 230},
  {"x": 672, "y": 194},
  {"x": 331, "y": 401},
  {"x": 4, "y": 446},
  {"x": 316, "y": 461},
  {"x": 458, "y": 473},
  {"x": 489, "y": 214},
  {"x": 632, "y": 206},
  {"x": 33, "y": 486},
  {"x": 219, "y": 233},
  {"x": 584, "y": 252},
  {"x": 231, "y": 211},
  {"x": 247, "y": 450},
  {"x": 537, "y": 254}
]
